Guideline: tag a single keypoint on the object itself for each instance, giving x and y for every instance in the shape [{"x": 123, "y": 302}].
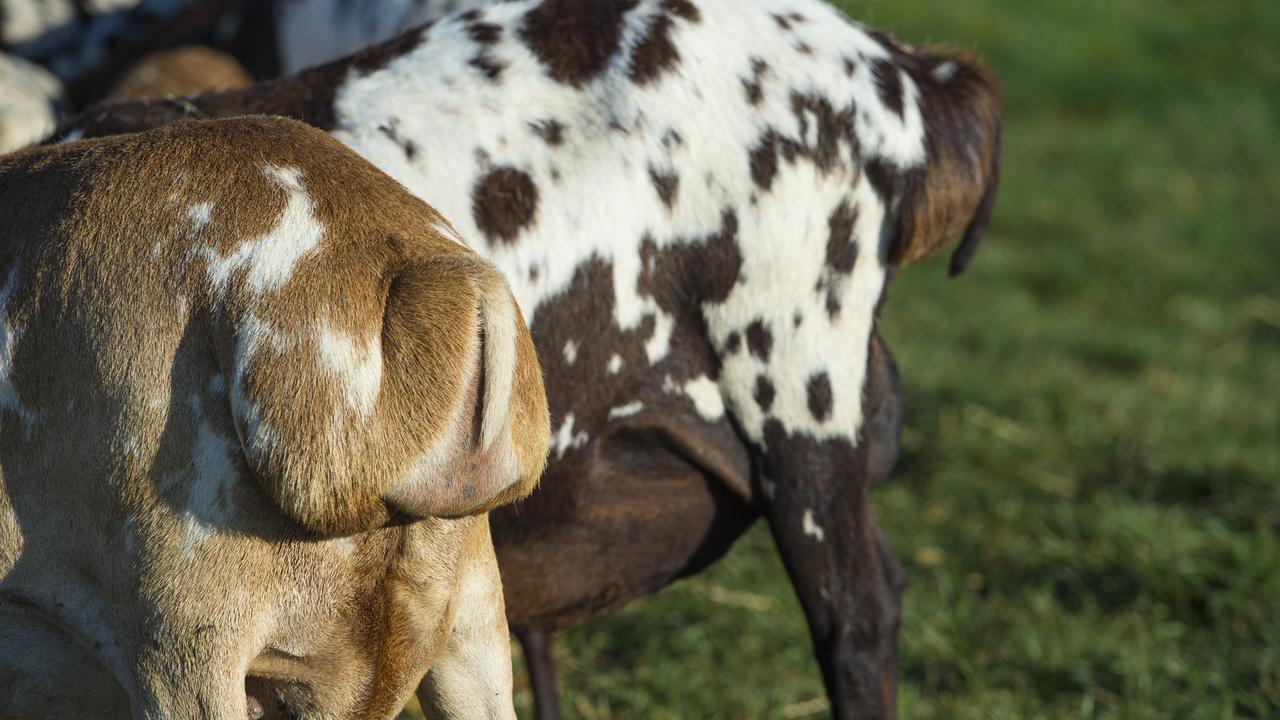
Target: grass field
[{"x": 1089, "y": 499}]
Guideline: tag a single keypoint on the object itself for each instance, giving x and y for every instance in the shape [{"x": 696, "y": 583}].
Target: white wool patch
[
  {"x": 813, "y": 529},
  {"x": 565, "y": 439},
  {"x": 197, "y": 216},
  {"x": 253, "y": 335},
  {"x": 200, "y": 214},
  {"x": 705, "y": 394},
  {"x": 626, "y": 411},
  {"x": 615, "y": 364},
  {"x": 659, "y": 344},
  {"x": 271, "y": 258},
  {"x": 571, "y": 352},
  {"x": 899, "y": 140},
  {"x": 356, "y": 367},
  {"x": 209, "y": 502}
]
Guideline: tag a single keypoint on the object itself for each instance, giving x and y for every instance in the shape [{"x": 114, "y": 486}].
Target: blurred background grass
[{"x": 1089, "y": 496}]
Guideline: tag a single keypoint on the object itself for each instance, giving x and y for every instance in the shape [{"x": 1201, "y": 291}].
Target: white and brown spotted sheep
[{"x": 698, "y": 205}]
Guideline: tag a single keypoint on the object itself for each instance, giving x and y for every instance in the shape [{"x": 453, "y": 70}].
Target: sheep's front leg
[
  {"x": 814, "y": 495},
  {"x": 471, "y": 678},
  {"x": 850, "y": 587}
]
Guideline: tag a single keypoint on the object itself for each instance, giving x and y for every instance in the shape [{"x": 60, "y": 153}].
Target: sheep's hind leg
[{"x": 536, "y": 645}]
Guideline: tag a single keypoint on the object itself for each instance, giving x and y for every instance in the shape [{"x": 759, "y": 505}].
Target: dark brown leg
[
  {"x": 843, "y": 572},
  {"x": 536, "y": 645}
]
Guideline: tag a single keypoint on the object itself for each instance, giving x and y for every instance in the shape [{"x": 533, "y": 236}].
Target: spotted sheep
[
  {"x": 255, "y": 402},
  {"x": 699, "y": 205}
]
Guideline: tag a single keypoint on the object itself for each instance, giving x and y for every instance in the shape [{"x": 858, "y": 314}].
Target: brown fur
[
  {"x": 156, "y": 545},
  {"x": 181, "y": 71}
]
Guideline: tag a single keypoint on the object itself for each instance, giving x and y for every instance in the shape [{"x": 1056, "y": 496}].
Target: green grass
[{"x": 1089, "y": 497}]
